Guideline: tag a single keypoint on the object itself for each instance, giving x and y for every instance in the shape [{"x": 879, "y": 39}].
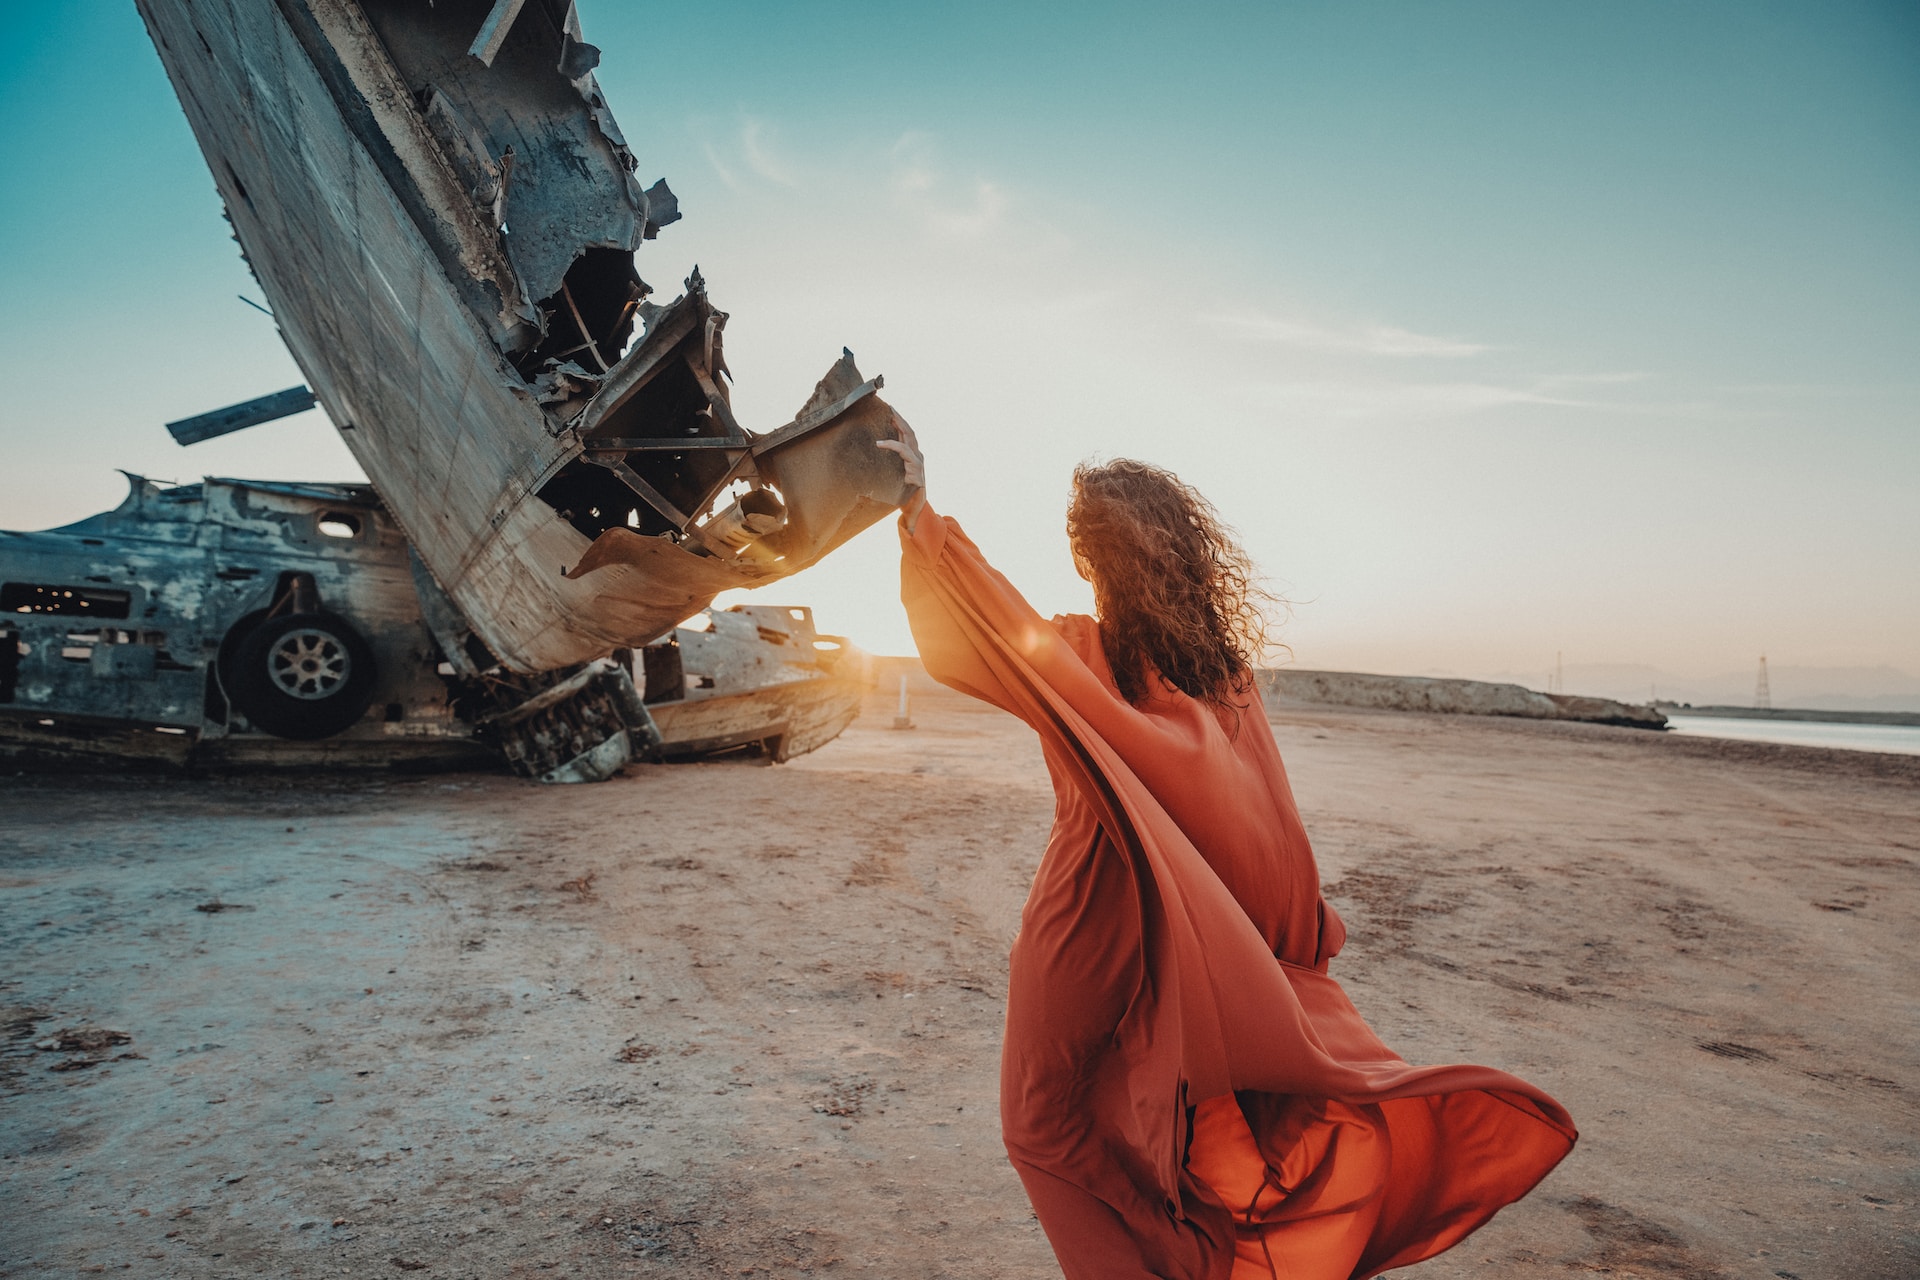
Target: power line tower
[{"x": 1762, "y": 696}]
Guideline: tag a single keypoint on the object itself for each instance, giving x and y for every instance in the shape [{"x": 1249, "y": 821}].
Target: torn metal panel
[
  {"x": 446, "y": 241},
  {"x": 836, "y": 482},
  {"x": 659, "y": 444},
  {"x": 527, "y": 139}
]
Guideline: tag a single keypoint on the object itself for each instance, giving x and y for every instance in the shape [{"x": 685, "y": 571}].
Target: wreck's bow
[{"x": 443, "y": 215}]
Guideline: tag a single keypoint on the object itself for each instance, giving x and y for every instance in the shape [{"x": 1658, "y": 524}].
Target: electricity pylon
[{"x": 1762, "y": 696}]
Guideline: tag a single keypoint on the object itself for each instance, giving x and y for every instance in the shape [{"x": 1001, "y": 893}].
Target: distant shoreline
[{"x": 1793, "y": 713}]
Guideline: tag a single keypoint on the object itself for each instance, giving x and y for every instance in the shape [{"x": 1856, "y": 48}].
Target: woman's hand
[
  {"x": 908, "y": 447},
  {"x": 915, "y": 464}
]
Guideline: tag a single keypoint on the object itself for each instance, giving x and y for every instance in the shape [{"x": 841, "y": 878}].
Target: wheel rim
[{"x": 309, "y": 664}]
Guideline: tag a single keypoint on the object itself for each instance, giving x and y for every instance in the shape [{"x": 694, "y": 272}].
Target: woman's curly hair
[{"x": 1177, "y": 596}]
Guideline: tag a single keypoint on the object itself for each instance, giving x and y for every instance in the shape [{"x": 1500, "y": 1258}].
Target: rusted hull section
[
  {"x": 757, "y": 678},
  {"x": 778, "y": 722},
  {"x": 446, "y": 241}
]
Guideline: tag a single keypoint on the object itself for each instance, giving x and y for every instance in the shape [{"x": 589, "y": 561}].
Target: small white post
[{"x": 901, "y": 720}]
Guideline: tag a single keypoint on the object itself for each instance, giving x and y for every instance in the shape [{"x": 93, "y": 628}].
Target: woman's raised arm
[{"x": 964, "y": 614}]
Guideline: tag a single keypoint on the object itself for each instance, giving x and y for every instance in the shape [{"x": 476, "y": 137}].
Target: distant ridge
[
  {"x": 1447, "y": 697},
  {"x": 1793, "y": 713}
]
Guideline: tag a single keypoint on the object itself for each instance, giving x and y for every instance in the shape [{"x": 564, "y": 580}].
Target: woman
[{"x": 1183, "y": 1090}]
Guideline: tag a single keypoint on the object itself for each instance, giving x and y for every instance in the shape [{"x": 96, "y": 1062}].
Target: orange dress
[{"x": 1183, "y": 1090}]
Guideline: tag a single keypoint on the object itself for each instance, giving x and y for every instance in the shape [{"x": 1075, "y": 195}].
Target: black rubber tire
[{"x": 302, "y": 675}]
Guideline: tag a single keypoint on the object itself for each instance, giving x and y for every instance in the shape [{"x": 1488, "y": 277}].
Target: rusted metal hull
[
  {"x": 756, "y": 678},
  {"x": 778, "y": 722},
  {"x": 446, "y": 242}
]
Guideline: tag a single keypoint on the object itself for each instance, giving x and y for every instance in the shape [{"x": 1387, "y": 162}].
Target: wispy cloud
[
  {"x": 1558, "y": 380},
  {"x": 913, "y": 166},
  {"x": 720, "y": 168},
  {"x": 748, "y": 156},
  {"x": 1336, "y": 389},
  {"x": 1413, "y": 400},
  {"x": 757, "y": 149},
  {"x": 1307, "y": 335},
  {"x": 975, "y": 214},
  {"x": 955, "y": 209}
]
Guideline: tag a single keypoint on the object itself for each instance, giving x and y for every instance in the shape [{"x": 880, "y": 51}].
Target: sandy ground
[{"x": 738, "y": 1020}]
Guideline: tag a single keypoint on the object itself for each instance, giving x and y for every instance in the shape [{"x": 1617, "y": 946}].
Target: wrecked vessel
[
  {"x": 443, "y": 216},
  {"x": 170, "y": 633}
]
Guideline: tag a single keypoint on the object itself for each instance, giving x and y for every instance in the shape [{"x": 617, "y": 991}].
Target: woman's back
[{"x": 1217, "y": 772}]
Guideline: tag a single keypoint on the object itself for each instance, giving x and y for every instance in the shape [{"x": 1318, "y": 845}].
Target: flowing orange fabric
[{"x": 1183, "y": 1090}]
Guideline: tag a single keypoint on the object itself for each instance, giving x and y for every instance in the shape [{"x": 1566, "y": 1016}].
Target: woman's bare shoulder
[
  {"x": 1078, "y": 630},
  {"x": 1082, "y": 634}
]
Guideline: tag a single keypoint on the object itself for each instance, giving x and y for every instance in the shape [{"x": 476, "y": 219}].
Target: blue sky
[{"x": 1499, "y": 329}]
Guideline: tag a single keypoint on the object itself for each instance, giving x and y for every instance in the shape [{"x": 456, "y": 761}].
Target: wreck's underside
[{"x": 442, "y": 214}]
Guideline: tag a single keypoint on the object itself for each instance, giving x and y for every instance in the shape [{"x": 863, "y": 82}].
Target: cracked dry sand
[{"x": 729, "y": 1020}]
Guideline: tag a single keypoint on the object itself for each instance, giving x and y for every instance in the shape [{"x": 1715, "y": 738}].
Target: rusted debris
[
  {"x": 83, "y": 1040},
  {"x": 845, "y": 1098},
  {"x": 88, "y": 1045}
]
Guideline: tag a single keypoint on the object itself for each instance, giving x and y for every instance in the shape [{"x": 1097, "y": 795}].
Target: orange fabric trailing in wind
[{"x": 1183, "y": 1090}]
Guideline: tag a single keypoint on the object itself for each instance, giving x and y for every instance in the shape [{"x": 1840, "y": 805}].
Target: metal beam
[
  {"x": 236, "y": 417},
  {"x": 817, "y": 419},
  {"x": 645, "y": 491},
  {"x": 493, "y": 32},
  {"x": 664, "y": 444}
]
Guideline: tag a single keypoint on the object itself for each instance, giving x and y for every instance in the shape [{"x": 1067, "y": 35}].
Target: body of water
[{"x": 1903, "y": 739}]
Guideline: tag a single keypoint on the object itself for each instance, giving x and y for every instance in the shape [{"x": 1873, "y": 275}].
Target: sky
[{"x": 1501, "y": 331}]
